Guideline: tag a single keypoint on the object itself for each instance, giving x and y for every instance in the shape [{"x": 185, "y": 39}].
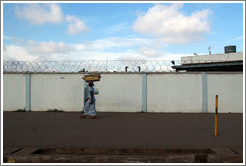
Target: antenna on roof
[{"x": 209, "y": 49}]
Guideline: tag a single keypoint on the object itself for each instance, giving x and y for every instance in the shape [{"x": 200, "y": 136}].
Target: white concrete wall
[
  {"x": 57, "y": 91},
  {"x": 122, "y": 92},
  {"x": 174, "y": 93},
  {"x": 229, "y": 88},
  {"x": 14, "y": 92},
  {"x": 119, "y": 93}
]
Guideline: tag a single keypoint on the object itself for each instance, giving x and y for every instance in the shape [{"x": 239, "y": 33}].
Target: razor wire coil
[{"x": 91, "y": 66}]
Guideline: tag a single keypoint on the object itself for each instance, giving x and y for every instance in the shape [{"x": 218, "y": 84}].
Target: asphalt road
[{"x": 64, "y": 129}]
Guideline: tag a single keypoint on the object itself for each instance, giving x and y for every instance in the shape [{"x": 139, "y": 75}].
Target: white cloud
[
  {"x": 31, "y": 50},
  {"x": 40, "y": 13},
  {"x": 6, "y": 38},
  {"x": 75, "y": 26},
  {"x": 101, "y": 55},
  {"x": 149, "y": 52},
  {"x": 98, "y": 49},
  {"x": 119, "y": 28},
  {"x": 18, "y": 53},
  {"x": 102, "y": 49},
  {"x": 103, "y": 44},
  {"x": 50, "y": 47},
  {"x": 172, "y": 56},
  {"x": 238, "y": 38},
  {"x": 173, "y": 27}
]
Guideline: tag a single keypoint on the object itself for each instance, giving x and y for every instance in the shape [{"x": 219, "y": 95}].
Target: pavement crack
[
  {"x": 16, "y": 151},
  {"x": 234, "y": 151}
]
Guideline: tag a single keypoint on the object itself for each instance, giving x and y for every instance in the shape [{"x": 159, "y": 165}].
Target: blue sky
[{"x": 100, "y": 31}]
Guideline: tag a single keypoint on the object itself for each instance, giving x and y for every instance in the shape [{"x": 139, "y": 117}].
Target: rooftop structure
[{"x": 229, "y": 61}]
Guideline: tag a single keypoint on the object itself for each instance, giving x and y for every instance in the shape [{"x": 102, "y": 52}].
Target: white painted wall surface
[
  {"x": 14, "y": 92},
  {"x": 174, "y": 93},
  {"x": 119, "y": 93},
  {"x": 122, "y": 92},
  {"x": 229, "y": 88},
  {"x": 57, "y": 91}
]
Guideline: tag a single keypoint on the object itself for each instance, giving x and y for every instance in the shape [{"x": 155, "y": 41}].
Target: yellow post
[{"x": 216, "y": 116}]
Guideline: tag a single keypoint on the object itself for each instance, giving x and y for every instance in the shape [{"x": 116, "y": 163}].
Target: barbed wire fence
[{"x": 91, "y": 66}]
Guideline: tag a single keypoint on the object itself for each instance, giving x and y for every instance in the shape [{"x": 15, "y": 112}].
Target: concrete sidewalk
[{"x": 61, "y": 130}]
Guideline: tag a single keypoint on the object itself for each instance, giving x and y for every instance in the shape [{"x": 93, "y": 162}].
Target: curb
[{"x": 123, "y": 155}]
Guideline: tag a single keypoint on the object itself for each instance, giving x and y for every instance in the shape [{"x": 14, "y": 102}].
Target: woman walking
[{"x": 90, "y": 107}]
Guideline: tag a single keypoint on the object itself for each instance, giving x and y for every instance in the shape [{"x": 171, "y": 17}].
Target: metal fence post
[
  {"x": 139, "y": 68},
  {"x": 216, "y": 116},
  {"x": 126, "y": 68}
]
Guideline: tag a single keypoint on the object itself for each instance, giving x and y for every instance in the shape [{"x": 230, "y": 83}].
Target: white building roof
[{"x": 213, "y": 58}]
